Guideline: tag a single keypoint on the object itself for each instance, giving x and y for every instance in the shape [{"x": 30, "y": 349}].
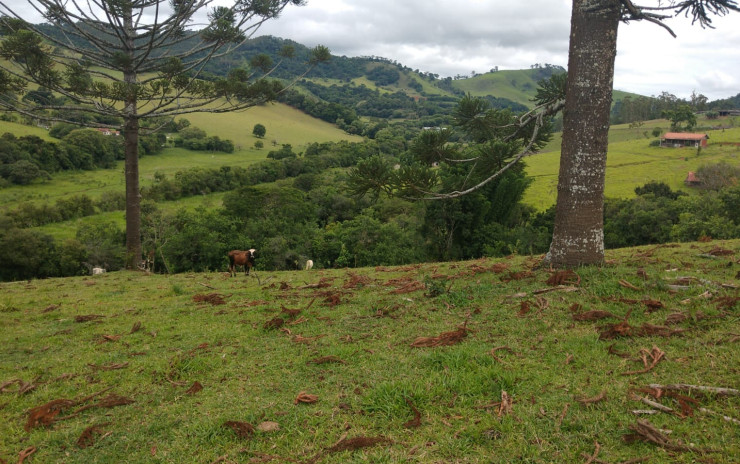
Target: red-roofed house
[{"x": 684, "y": 139}]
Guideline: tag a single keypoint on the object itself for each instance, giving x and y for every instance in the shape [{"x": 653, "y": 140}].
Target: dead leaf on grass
[
  {"x": 416, "y": 421},
  {"x": 46, "y": 413},
  {"x": 717, "y": 251},
  {"x": 594, "y": 315},
  {"x": 506, "y": 405},
  {"x": 195, "y": 388},
  {"x": 653, "y": 305},
  {"x": 109, "y": 338},
  {"x": 51, "y": 308},
  {"x": 332, "y": 299},
  {"x": 409, "y": 287},
  {"x": 675, "y": 318},
  {"x": 564, "y": 277},
  {"x": 242, "y": 429},
  {"x": 268, "y": 426},
  {"x": 214, "y": 299},
  {"x": 726, "y": 302},
  {"x": 136, "y": 327},
  {"x": 356, "y": 280},
  {"x": 443, "y": 339},
  {"x": 88, "y": 317},
  {"x": 307, "y": 340},
  {"x": 326, "y": 360},
  {"x": 87, "y": 438},
  {"x": 305, "y": 398},
  {"x": 353, "y": 444},
  {"x": 274, "y": 323}
]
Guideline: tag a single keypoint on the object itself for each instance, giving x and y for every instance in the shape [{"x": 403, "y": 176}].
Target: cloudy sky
[
  {"x": 451, "y": 37},
  {"x": 457, "y": 37}
]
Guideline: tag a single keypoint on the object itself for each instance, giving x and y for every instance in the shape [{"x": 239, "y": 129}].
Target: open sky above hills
[
  {"x": 456, "y": 38},
  {"x": 451, "y": 38}
]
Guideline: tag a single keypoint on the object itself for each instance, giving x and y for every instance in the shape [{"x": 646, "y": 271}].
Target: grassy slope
[
  {"x": 522, "y": 341},
  {"x": 284, "y": 125},
  {"x": 516, "y": 85}
]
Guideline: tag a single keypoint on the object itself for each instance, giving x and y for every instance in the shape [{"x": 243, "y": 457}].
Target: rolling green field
[
  {"x": 487, "y": 361},
  {"x": 632, "y": 162},
  {"x": 284, "y": 125}
]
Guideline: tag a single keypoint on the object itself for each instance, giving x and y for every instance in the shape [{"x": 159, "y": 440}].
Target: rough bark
[
  {"x": 578, "y": 236},
  {"x": 131, "y": 150}
]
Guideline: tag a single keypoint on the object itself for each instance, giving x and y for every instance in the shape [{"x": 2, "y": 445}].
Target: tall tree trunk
[
  {"x": 131, "y": 149},
  {"x": 578, "y": 236},
  {"x": 133, "y": 195}
]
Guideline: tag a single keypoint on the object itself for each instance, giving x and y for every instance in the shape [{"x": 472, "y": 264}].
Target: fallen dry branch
[
  {"x": 23, "y": 454},
  {"x": 592, "y": 457},
  {"x": 559, "y": 288},
  {"x": 700, "y": 388},
  {"x": 108, "y": 367},
  {"x": 656, "y": 355},
  {"x": 626, "y": 284},
  {"x": 443, "y": 339},
  {"x": 643, "y": 430},
  {"x": 726, "y": 418},
  {"x": 655, "y": 404},
  {"x": 592, "y": 400}
]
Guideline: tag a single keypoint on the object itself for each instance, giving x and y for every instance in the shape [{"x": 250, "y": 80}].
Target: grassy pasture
[
  {"x": 339, "y": 381},
  {"x": 631, "y": 162},
  {"x": 284, "y": 125}
]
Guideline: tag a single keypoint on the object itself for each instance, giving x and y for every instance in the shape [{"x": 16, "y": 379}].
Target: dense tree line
[
  {"x": 24, "y": 159},
  {"x": 640, "y": 108},
  {"x": 310, "y": 215}
]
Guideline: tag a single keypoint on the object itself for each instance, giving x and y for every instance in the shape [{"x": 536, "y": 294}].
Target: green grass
[
  {"x": 543, "y": 359},
  {"x": 21, "y": 130}
]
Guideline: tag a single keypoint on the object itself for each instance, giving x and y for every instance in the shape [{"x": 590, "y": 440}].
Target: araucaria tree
[
  {"x": 133, "y": 65},
  {"x": 578, "y": 236}
]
